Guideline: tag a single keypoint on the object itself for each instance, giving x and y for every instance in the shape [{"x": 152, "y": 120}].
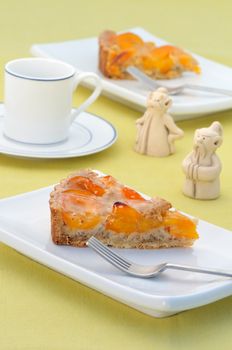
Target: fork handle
[
  {"x": 208, "y": 89},
  {"x": 199, "y": 269}
]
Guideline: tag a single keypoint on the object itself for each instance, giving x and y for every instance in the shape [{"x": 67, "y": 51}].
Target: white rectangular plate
[
  {"x": 83, "y": 55},
  {"x": 25, "y": 226}
]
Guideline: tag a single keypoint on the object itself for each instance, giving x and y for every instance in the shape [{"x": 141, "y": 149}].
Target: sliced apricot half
[
  {"x": 128, "y": 193},
  {"x": 127, "y": 40},
  {"x": 84, "y": 183},
  {"x": 80, "y": 222},
  {"x": 125, "y": 219},
  {"x": 180, "y": 225}
]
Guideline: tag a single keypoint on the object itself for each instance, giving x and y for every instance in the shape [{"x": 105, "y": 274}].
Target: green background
[{"x": 41, "y": 309}]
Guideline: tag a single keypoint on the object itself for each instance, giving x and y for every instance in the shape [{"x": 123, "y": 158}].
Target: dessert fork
[
  {"x": 175, "y": 90},
  {"x": 145, "y": 271}
]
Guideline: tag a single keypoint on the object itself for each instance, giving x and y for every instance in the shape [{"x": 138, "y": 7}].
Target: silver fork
[
  {"x": 145, "y": 271},
  {"x": 175, "y": 90}
]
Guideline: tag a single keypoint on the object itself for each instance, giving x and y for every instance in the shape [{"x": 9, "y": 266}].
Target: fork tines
[{"x": 108, "y": 254}]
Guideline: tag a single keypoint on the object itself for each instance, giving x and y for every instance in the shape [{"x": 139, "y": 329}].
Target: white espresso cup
[{"x": 38, "y": 99}]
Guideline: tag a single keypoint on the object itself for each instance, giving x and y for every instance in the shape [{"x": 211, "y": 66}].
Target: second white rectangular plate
[
  {"x": 25, "y": 226},
  {"x": 83, "y": 55}
]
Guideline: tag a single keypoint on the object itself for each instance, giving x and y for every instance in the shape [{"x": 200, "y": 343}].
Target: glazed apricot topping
[
  {"x": 77, "y": 192},
  {"x": 166, "y": 57},
  {"x": 131, "y": 194},
  {"x": 180, "y": 225},
  {"x": 123, "y": 218},
  {"x": 128, "y": 45},
  {"x": 78, "y": 199},
  {"x": 83, "y": 222},
  {"x": 84, "y": 183},
  {"x": 79, "y": 209},
  {"x": 128, "y": 40},
  {"x": 127, "y": 220}
]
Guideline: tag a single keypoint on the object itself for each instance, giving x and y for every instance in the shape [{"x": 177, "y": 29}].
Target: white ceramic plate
[
  {"x": 88, "y": 134},
  {"x": 28, "y": 231},
  {"x": 83, "y": 55}
]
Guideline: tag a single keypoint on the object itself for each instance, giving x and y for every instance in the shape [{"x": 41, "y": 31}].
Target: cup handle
[{"x": 98, "y": 88}]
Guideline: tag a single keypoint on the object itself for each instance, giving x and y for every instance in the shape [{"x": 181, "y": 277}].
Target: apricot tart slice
[
  {"x": 118, "y": 51},
  {"x": 88, "y": 203}
]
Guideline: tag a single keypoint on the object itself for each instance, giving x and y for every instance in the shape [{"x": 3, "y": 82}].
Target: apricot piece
[
  {"x": 166, "y": 65},
  {"x": 126, "y": 219},
  {"x": 80, "y": 209},
  {"x": 122, "y": 219},
  {"x": 127, "y": 40},
  {"x": 77, "y": 192},
  {"x": 118, "y": 60},
  {"x": 80, "y": 221},
  {"x": 168, "y": 51},
  {"x": 166, "y": 57},
  {"x": 131, "y": 194},
  {"x": 189, "y": 63},
  {"x": 84, "y": 183},
  {"x": 180, "y": 225}
]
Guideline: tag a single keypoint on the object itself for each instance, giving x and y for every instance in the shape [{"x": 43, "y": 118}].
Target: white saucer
[{"x": 89, "y": 134}]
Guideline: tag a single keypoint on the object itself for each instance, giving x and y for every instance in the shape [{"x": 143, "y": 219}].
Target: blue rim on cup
[{"x": 36, "y": 67}]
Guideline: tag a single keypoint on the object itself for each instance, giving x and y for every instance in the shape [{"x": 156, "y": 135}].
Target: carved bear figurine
[
  {"x": 202, "y": 166},
  {"x": 156, "y": 130}
]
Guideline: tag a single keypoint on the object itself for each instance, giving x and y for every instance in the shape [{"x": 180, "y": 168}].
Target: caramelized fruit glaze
[{"x": 87, "y": 203}]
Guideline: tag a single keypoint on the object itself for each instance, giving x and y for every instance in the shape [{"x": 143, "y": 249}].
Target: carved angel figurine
[
  {"x": 156, "y": 130},
  {"x": 202, "y": 166}
]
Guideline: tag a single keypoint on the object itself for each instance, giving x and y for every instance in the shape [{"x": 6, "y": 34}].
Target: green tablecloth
[{"x": 41, "y": 309}]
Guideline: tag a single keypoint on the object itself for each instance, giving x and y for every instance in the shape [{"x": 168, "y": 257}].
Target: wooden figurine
[
  {"x": 202, "y": 166},
  {"x": 156, "y": 130}
]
